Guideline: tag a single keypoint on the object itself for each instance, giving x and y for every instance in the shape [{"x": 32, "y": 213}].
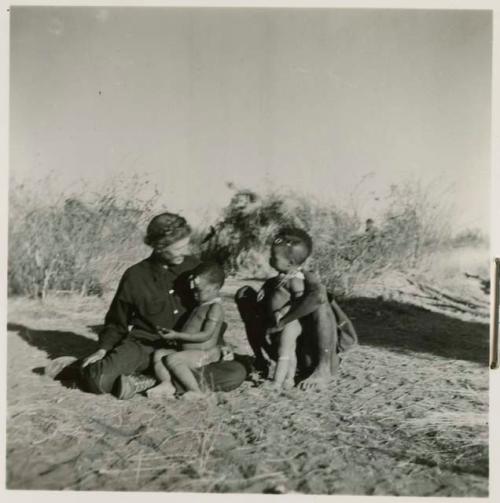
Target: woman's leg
[{"x": 127, "y": 358}]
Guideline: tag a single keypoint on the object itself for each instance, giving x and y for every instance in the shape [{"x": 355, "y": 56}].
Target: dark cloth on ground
[{"x": 220, "y": 376}]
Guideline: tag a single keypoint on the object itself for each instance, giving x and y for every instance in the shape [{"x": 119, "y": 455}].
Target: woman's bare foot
[{"x": 163, "y": 390}]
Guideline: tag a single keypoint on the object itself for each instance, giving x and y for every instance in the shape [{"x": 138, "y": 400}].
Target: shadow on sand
[
  {"x": 55, "y": 343},
  {"x": 411, "y": 329},
  {"x": 379, "y": 323}
]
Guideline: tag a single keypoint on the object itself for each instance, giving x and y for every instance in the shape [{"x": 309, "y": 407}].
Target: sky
[{"x": 328, "y": 102}]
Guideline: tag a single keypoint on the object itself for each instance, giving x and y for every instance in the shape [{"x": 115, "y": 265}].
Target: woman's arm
[{"x": 118, "y": 316}]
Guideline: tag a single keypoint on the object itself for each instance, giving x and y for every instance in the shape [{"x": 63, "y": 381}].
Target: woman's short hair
[{"x": 166, "y": 228}]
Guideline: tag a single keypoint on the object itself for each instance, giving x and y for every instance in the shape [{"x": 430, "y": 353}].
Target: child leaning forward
[{"x": 289, "y": 250}]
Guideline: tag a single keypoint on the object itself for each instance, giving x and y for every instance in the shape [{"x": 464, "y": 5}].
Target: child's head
[
  {"x": 290, "y": 249},
  {"x": 206, "y": 281}
]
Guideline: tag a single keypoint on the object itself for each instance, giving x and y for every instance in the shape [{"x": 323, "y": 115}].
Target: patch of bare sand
[{"x": 406, "y": 415}]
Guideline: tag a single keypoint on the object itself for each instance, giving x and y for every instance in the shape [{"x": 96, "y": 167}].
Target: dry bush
[
  {"x": 473, "y": 238},
  {"x": 414, "y": 225},
  {"x": 69, "y": 243}
]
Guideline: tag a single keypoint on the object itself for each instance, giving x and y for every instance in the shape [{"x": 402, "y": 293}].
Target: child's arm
[
  {"x": 342, "y": 319},
  {"x": 314, "y": 295},
  {"x": 215, "y": 316},
  {"x": 295, "y": 288}
]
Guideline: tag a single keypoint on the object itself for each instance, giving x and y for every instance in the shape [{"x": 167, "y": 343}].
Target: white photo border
[{"x": 156, "y": 497}]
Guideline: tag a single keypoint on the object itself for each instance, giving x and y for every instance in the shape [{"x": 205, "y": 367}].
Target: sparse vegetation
[
  {"x": 82, "y": 245},
  {"x": 407, "y": 414},
  {"x": 67, "y": 243}
]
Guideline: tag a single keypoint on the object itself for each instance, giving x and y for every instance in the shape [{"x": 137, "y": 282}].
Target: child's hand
[
  {"x": 273, "y": 330},
  {"x": 275, "y": 320},
  {"x": 167, "y": 333}
]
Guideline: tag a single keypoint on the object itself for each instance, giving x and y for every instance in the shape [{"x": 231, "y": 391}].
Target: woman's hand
[{"x": 94, "y": 357}]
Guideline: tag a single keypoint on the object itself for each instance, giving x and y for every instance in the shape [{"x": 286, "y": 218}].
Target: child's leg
[
  {"x": 287, "y": 362},
  {"x": 160, "y": 369},
  {"x": 335, "y": 360},
  {"x": 253, "y": 317},
  {"x": 289, "y": 381},
  {"x": 165, "y": 387},
  {"x": 182, "y": 363},
  {"x": 325, "y": 326}
]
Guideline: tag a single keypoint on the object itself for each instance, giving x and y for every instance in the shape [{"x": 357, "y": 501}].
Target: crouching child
[{"x": 290, "y": 249}]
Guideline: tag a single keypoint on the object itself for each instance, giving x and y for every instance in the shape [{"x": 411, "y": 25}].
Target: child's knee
[
  {"x": 324, "y": 318},
  {"x": 160, "y": 354},
  {"x": 245, "y": 292},
  {"x": 174, "y": 360},
  {"x": 287, "y": 347},
  {"x": 291, "y": 331}
]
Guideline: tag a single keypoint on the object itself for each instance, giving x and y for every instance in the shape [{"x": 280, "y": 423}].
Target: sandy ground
[{"x": 406, "y": 415}]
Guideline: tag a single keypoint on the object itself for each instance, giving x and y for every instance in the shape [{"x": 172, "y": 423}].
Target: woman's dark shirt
[{"x": 150, "y": 294}]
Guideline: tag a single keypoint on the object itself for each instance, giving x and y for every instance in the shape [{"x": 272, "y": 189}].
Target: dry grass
[
  {"x": 80, "y": 241},
  {"x": 394, "y": 421}
]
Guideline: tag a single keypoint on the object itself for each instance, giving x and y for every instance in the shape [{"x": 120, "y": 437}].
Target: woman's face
[{"x": 174, "y": 253}]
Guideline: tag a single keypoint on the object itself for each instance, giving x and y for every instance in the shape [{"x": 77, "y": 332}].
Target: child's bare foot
[
  {"x": 317, "y": 381},
  {"x": 196, "y": 396},
  {"x": 164, "y": 390},
  {"x": 193, "y": 395},
  {"x": 288, "y": 383},
  {"x": 273, "y": 386}
]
